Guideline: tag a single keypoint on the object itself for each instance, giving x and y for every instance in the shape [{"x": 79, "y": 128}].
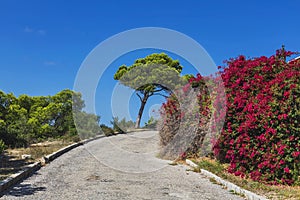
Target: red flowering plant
[
  {"x": 184, "y": 120},
  {"x": 260, "y": 137}
]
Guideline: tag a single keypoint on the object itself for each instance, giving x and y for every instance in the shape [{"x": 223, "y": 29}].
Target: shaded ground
[
  {"x": 10, "y": 164},
  {"x": 108, "y": 169},
  {"x": 11, "y": 161}
]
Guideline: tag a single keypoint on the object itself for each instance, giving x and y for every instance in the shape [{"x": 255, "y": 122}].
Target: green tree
[
  {"x": 116, "y": 125},
  {"x": 13, "y": 120},
  {"x": 62, "y": 120},
  {"x": 3, "y": 111},
  {"x": 25, "y": 120},
  {"x": 121, "y": 126},
  {"x": 87, "y": 124},
  {"x": 25, "y": 102},
  {"x": 156, "y": 74},
  {"x": 151, "y": 123}
]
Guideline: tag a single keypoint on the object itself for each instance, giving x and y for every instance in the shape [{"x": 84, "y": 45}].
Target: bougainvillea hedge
[{"x": 260, "y": 138}]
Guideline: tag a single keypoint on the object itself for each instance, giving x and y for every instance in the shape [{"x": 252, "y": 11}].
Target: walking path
[{"x": 118, "y": 167}]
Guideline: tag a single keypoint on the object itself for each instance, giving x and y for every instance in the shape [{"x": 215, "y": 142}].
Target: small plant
[
  {"x": 121, "y": 126},
  {"x": 211, "y": 165},
  {"x": 107, "y": 131},
  {"x": 2, "y": 146},
  {"x": 151, "y": 123},
  {"x": 213, "y": 180},
  {"x": 173, "y": 163}
]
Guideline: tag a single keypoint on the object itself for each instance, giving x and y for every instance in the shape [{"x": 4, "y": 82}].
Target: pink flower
[
  {"x": 292, "y": 86},
  {"x": 286, "y": 94},
  {"x": 252, "y": 154},
  {"x": 283, "y": 116},
  {"x": 183, "y": 155},
  {"x": 186, "y": 88},
  {"x": 237, "y": 173},
  {"x": 296, "y": 154},
  {"x": 286, "y": 170},
  {"x": 281, "y": 162}
]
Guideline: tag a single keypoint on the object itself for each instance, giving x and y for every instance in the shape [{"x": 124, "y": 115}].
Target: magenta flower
[{"x": 286, "y": 170}]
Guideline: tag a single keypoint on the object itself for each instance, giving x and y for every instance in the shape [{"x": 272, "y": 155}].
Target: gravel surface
[{"x": 118, "y": 167}]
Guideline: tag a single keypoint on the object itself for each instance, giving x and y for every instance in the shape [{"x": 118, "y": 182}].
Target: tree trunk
[{"x": 141, "y": 110}]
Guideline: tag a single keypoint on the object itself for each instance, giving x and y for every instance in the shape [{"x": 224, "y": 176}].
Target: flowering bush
[
  {"x": 185, "y": 118},
  {"x": 260, "y": 137}
]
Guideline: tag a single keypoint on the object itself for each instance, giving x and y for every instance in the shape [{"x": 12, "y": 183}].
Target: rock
[{"x": 26, "y": 156}]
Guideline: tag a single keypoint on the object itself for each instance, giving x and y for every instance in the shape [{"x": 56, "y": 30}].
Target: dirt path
[{"x": 118, "y": 167}]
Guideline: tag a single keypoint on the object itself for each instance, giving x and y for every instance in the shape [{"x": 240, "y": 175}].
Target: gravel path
[{"x": 118, "y": 167}]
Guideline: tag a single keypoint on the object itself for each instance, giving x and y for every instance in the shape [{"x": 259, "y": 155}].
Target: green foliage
[
  {"x": 211, "y": 165},
  {"x": 151, "y": 123},
  {"x": 116, "y": 126},
  {"x": 160, "y": 59},
  {"x": 107, "y": 131},
  {"x": 25, "y": 120},
  {"x": 121, "y": 126},
  {"x": 2, "y": 146},
  {"x": 87, "y": 124}
]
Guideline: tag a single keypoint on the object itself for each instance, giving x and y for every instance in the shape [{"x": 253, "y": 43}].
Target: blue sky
[{"x": 43, "y": 43}]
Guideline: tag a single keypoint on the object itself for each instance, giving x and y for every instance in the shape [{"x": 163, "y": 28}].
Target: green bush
[
  {"x": 121, "y": 126},
  {"x": 2, "y": 146},
  {"x": 151, "y": 123},
  {"x": 107, "y": 131}
]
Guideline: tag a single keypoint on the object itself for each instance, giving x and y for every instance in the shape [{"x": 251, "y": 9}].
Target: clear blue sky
[{"x": 43, "y": 43}]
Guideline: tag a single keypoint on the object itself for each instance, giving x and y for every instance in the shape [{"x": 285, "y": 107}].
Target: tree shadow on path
[{"x": 22, "y": 189}]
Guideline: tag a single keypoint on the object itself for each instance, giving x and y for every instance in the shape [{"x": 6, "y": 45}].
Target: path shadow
[
  {"x": 11, "y": 164},
  {"x": 23, "y": 189}
]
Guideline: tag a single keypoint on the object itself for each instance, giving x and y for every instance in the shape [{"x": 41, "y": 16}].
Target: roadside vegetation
[
  {"x": 33, "y": 127},
  {"x": 251, "y": 130},
  {"x": 275, "y": 192},
  {"x": 14, "y": 159},
  {"x": 241, "y": 123},
  {"x": 26, "y": 120}
]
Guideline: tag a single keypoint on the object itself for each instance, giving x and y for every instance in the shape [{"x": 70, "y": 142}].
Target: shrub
[
  {"x": 151, "y": 123},
  {"x": 2, "y": 146},
  {"x": 107, "y": 131},
  {"x": 260, "y": 137},
  {"x": 121, "y": 126},
  {"x": 184, "y": 120}
]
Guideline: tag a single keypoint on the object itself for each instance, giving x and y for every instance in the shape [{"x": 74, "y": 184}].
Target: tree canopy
[
  {"x": 156, "y": 74},
  {"x": 25, "y": 120}
]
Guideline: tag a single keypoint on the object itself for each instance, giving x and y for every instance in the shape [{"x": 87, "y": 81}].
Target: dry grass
[
  {"x": 11, "y": 160},
  {"x": 39, "y": 150},
  {"x": 271, "y": 192}
]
